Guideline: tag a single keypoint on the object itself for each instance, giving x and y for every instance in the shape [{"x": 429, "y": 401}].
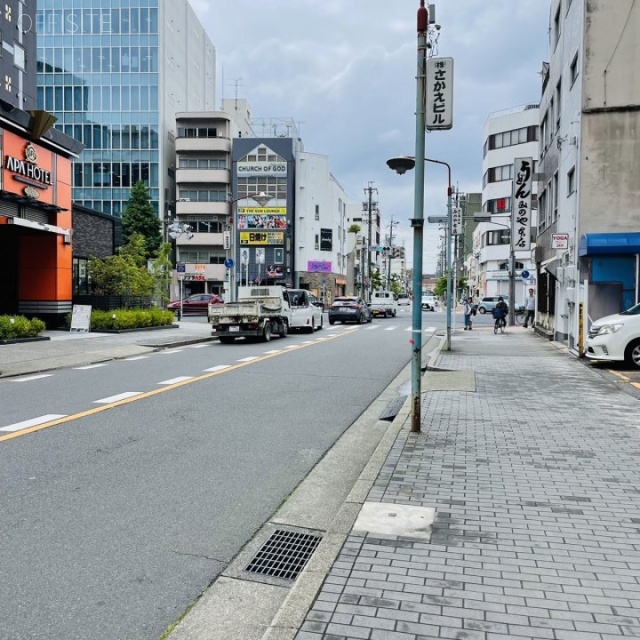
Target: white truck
[
  {"x": 259, "y": 313},
  {"x": 383, "y": 304}
]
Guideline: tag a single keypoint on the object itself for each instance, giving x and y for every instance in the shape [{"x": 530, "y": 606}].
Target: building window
[
  {"x": 558, "y": 103},
  {"x": 571, "y": 181},
  {"x": 555, "y": 196},
  {"x": 573, "y": 69},
  {"x": 18, "y": 56},
  {"x": 556, "y": 27},
  {"x": 498, "y": 205},
  {"x": 317, "y": 242},
  {"x": 317, "y": 213},
  {"x": 542, "y": 206}
]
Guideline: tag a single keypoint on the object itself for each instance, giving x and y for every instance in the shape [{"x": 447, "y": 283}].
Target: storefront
[{"x": 35, "y": 216}]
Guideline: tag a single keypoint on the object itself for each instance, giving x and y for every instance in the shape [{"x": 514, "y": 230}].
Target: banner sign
[
  {"x": 262, "y": 221},
  {"x": 521, "y": 203},
  {"x": 559, "y": 240},
  {"x": 439, "y": 113},
  {"x": 318, "y": 266},
  {"x": 261, "y": 237}
]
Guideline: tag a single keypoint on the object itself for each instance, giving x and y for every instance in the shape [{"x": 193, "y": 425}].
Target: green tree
[
  {"x": 161, "y": 269},
  {"x": 139, "y": 217},
  {"x": 124, "y": 274},
  {"x": 377, "y": 281},
  {"x": 440, "y": 289}
]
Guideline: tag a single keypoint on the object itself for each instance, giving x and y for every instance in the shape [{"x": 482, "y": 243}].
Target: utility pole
[
  {"x": 369, "y": 207},
  {"x": 390, "y": 256}
]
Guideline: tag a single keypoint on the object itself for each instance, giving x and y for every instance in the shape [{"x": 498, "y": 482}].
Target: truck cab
[{"x": 383, "y": 303}]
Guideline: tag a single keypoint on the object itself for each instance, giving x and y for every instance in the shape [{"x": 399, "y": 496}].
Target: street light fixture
[
  {"x": 402, "y": 164},
  {"x": 262, "y": 199},
  {"x": 174, "y": 231}
]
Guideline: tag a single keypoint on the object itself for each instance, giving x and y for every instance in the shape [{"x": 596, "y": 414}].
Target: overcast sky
[{"x": 344, "y": 70}]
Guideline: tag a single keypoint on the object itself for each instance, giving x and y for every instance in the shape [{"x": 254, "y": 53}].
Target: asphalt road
[{"x": 113, "y": 521}]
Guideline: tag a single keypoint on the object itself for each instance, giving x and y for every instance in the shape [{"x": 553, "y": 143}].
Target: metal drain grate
[
  {"x": 393, "y": 408},
  {"x": 284, "y": 554}
]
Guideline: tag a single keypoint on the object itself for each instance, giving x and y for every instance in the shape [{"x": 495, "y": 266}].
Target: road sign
[
  {"x": 525, "y": 275},
  {"x": 228, "y": 262},
  {"x": 181, "y": 267}
]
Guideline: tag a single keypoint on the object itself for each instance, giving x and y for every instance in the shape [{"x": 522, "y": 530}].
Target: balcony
[
  {"x": 209, "y": 208},
  {"x": 203, "y": 176},
  {"x": 184, "y": 145}
]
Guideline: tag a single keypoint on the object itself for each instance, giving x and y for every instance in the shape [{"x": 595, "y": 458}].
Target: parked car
[
  {"x": 616, "y": 337},
  {"x": 349, "y": 309},
  {"x": 429, "y": 303},
  {"x": 488, "y": 303},
  {"x": 306, "y": 312},
  {"x": 197, "y": 303}
]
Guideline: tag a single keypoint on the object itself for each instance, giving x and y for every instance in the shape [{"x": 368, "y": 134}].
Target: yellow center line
[
  {"x": 149, "y": 394},
  {"x": 619, "y": 375},
  {"x": 636, "y": 385}
]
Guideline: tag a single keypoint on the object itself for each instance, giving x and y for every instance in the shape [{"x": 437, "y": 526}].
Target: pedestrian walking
[
  {"x": 530, "y": 309},
  {"x": 467, "y": 310}
]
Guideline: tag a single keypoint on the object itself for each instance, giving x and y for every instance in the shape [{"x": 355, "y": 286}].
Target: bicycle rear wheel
[{"x": 519, "y": 316}]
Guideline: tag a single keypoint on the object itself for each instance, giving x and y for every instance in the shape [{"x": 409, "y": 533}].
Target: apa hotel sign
[{"x": 28, "y": 172}]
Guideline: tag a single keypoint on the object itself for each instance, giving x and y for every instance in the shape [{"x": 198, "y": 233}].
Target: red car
[{"x": 197, "y": 303}]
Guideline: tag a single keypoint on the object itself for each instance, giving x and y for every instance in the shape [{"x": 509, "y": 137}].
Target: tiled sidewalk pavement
[{"x": 535, "y": 479}]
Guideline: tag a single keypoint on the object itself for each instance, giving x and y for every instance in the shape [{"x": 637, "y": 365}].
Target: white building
[
  {"x": 509, "y": 134},
  {"x": 589, "y": 227}
]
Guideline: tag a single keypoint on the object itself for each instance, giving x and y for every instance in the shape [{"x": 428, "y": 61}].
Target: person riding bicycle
[{"x": 500, "y": 311}]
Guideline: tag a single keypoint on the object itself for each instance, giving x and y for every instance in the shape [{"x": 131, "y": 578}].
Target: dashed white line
[
  {"x": 169, "y": 352},
  {"x": 218, "y": 367},
  {"x": 136, "y": 358},
  {"x": 90, "y": 366},
  {"x": 272, "y": 351},
  {"x": 176, "y": 380},
  {"x": 248, "y": 359},
  {"x": 120, "y": 396},
  {"x": 198, "y": 346},
  {"x": 25, "y": 424},
  {"x": 29, "y": 378}
]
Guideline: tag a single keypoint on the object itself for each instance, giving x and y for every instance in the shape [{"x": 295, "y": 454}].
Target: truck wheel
[
  {"x": 321, "y": 323},
  {"x": 266, "y": 331},
  {"x": 284, "y": 329},
  {"x": 227, "y": 340}
]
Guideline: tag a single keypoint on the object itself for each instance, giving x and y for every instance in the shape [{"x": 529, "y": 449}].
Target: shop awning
[
  {"x": 551, "y": 266},
  {"x": 598, "y": 244}
]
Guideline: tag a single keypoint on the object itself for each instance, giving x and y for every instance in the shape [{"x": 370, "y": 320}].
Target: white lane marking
[
  {"x": 170, "y": 352},
  {"x": 29, "y": 378},
  {"x": 120, "y": 396},
  {"x": 198, "y": 346},
  {"x": 307, "y": 342},
  {"x": 176, "y": 380},
  {"x": 273, "y": 351},
  {"x": 292, "y": 346},
  {"x": 372, "y": 327},
  {"x": 25, "y": 424},
  {"x": 248, "y": 359},
  {"x": 427, "y": 330},
  {"x": 91, "y": 366},
  {"x": 136, "y": 358},
  {"x": 390, "y": 328},
  {"x": 218, "y": 367}
]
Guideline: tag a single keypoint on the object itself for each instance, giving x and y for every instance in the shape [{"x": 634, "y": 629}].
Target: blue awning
[{"x": 598, "y": 244}]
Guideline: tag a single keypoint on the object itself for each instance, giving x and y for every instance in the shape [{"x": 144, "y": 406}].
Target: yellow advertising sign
[
  {"x": 262, "y": 211},
  {"x": 261, "y": 237}
]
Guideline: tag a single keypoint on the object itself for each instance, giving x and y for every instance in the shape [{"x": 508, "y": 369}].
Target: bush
[
  {"x": 120, "y": 319},
  {"x": 12, "y": 327}
]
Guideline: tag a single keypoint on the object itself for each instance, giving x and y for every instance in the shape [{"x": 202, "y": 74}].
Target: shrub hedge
[
  {"x": 120, "y": 319},
  {"x": 13, "y": 327}
]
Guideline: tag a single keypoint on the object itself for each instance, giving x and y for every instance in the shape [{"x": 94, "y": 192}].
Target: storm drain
[
  {"x": 393, "y": 408},
  {"x": 284, "y": 554}
]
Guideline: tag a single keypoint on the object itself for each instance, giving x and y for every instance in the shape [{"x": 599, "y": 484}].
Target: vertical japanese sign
[
  {"x": 439, "y": 94},
  {"x": 521, "y": 203}
]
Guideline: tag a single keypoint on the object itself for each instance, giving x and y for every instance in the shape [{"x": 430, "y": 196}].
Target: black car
[{"x": 349, "y": 309}]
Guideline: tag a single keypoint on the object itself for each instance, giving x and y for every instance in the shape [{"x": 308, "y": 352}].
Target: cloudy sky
[{"x": 344, "y": 70}]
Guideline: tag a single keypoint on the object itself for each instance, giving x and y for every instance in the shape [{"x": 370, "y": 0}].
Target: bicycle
[
  {"x": 519, "y": 316},
  {"x": 499, "y": 325}
]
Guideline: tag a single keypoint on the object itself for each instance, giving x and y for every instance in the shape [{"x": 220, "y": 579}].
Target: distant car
[
  {"x": 197, "y": 303},
  {"x": 488, "y": 303},
  {"x": 429, "y": 303},
  {"x": 404, "y": 299},
  {"x": 616, "y": 337},
  {"x": 349, "y": 309}
]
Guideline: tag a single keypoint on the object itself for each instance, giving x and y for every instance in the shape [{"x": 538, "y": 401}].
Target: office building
[{"x": 115, "y": 75}]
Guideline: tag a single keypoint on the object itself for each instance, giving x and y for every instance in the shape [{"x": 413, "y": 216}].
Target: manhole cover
[{"x": 284, "y": 554}]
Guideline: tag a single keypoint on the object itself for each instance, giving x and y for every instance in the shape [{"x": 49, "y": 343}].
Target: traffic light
[{"x": 384, "y": 250}]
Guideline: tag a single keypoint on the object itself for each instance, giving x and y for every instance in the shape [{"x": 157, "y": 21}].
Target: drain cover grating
[
  {"x": 284, "y": 554},
  {"x": 393, "y": 408}
]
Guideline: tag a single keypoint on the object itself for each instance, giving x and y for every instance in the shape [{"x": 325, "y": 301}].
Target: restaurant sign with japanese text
[
  {"x": 439, "y": 94},
  {"x": 521, "y": 209}
]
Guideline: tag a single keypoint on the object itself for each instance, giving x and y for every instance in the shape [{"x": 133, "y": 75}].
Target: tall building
[
  {"x": 589, "y": 229},
  {"x": 509, "y": 134},
  {"x": 115, "y": 74}
]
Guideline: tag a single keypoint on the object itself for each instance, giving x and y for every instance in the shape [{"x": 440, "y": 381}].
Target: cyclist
[{"x": 500, "y": 313}]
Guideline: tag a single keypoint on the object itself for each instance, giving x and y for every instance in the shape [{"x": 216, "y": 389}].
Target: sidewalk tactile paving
[{"x": 535, "y": 483}]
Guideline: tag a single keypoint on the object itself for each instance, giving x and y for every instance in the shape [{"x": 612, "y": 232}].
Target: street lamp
[
  {"x": 401, "y": 165},
  {"x": 262, "y": 199},
  {"x": 174, "y": 231}
]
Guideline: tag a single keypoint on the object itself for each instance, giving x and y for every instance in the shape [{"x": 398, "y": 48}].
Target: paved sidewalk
[
  {"x": 528, "y": 462},
  {"x": 66, "y": 349}
]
